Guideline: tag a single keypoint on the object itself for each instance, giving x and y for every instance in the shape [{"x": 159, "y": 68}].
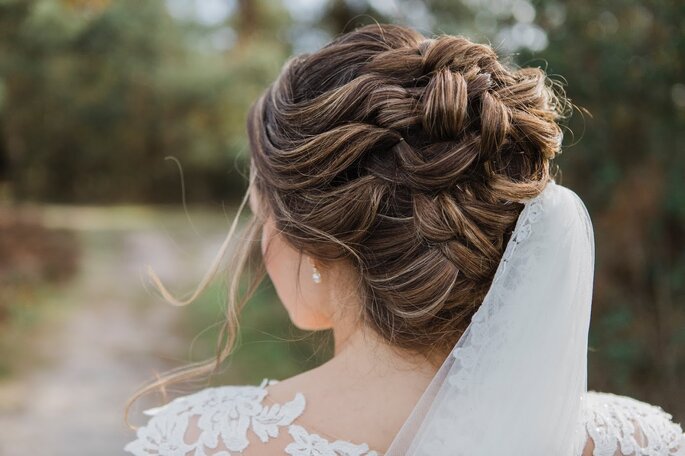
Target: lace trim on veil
[{"x": 480, "y": 332}]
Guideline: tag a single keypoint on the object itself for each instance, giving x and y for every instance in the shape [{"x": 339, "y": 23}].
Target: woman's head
[
  {"x": 403, "y": 160},
  {"x": 395, "y": 164}
]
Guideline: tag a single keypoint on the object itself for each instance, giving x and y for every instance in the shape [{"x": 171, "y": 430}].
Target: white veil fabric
[{"x": 515, "y": 381}]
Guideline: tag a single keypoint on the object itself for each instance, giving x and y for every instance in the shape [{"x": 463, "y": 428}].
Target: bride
[{"x": 402, "y": 197}]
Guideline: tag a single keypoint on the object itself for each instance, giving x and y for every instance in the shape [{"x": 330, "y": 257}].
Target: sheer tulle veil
[{"x": 515, "y": 381}]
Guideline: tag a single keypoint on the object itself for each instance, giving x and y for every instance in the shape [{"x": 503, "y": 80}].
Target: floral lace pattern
[
  {"x": 623, "y": 426},
  {"x": 224, "y": 416},
  {"x": 306, "y": 444}
]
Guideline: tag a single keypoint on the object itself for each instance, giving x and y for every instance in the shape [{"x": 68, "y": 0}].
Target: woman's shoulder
[
  {"x": 622, "y": 425},
  {"x": 213, "y": 420},
  {"x": 225, "y": 419}
]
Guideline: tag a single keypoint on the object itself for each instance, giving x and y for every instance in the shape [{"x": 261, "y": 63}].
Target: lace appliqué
[
  {"x": 306, "y": 444},
  {"x": 620, "y": 425},
  {"x": 224, "y": 415}
]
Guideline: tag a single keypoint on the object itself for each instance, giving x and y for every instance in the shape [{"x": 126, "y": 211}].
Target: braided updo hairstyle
[{"x": 408, "y": 156}]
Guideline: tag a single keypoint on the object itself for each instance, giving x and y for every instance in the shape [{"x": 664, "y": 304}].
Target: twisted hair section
[{"x": 409, "y": 157}]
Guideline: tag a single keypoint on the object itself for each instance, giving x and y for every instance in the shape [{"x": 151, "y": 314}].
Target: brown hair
[{"x": 408, "y": 157}]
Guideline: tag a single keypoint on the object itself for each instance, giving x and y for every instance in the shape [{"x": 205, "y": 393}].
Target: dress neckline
[{"x": 326, "y": 438}]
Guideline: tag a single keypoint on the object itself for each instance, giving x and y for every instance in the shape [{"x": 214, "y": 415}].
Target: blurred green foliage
[
  {"x": 94, "y": 95},
  {"x": 94, "y": 98}
]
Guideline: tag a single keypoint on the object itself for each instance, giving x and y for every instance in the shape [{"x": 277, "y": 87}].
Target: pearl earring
[{"x": 316, "y": 275}]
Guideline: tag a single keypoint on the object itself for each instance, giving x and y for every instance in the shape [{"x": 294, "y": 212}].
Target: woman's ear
[{"x": 295, "y": 279}]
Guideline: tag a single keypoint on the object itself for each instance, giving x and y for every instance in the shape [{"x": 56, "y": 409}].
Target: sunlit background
[{"x": 97, "y": 95}]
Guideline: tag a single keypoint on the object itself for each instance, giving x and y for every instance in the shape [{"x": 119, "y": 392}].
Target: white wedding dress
[
  {"x": 229, "y": 420},
  {"x": 514, "y": 385}
]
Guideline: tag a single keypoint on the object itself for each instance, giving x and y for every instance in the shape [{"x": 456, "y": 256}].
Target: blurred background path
[{"x": 103, "y": 335}]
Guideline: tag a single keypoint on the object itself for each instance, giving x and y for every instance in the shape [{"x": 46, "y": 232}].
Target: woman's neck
[
  {"x": 365, "y": 357},
  {"x": 365, "y": 391},
  {"x": 361, "y": 349}
]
